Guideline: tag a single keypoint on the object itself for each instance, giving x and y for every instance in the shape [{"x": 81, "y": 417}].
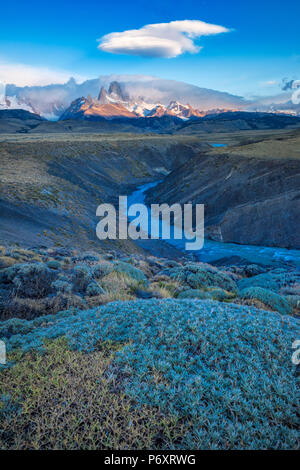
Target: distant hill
[
  {"x": 239, "y": 121},
  {"x": 20, "y": 121}
]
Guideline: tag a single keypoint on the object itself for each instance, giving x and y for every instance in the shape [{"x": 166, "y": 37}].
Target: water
[
  {"x": 213, "y": 251},
  {"x": 213, "y": 144}
]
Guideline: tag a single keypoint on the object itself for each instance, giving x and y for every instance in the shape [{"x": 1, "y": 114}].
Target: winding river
[{"x": 214, "y": 251}]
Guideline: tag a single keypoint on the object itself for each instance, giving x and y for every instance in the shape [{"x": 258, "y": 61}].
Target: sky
[{"x": 243, "y": 47}]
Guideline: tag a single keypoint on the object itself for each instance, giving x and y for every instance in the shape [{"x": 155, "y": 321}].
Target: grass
[
  {"x": 70, "y": 402},
  {"x": 199, "y": 374}
]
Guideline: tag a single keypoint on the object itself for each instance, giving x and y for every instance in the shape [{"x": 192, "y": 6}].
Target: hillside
[
  {"x": 251, "y": 192},
  {"x": 20, "y": 121},
  {"x": 51, "y": 185}
]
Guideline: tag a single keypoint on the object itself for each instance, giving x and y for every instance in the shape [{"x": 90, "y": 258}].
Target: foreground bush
[
  {"x": 275, "y": 301},
  {"x": 29, "y": 279},
  {"x": 199, "y": 276},
  {"x": 69, "y": 403},
  {"x": 222, "y": 372}
]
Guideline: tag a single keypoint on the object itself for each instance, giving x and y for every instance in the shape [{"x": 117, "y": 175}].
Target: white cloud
[
  {"x": 27, "y": 75},
  {"x": 269, "y": 83},
  {"x": 160, "y": 40}
]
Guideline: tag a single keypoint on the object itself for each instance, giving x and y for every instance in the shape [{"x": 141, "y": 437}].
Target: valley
[{"x": 138, "y": 316}]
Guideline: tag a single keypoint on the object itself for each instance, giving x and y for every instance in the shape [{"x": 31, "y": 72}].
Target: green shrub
[
  {"x": 54, "y": 264},
  {"x": 193, "y": 294},
  {"x": 223, "y": 371},
  {"x": 275, "y": 301},
  {"x": 82, "y": 276},
  {"x": 32, "y": 280},
  {"x": 94, "y": 289},
  {"x": 294, "y": 301},
  {"x": 272, "y": 281},
  {"x": 131, "y": 271},
  {"x": 199, "y": 276}
]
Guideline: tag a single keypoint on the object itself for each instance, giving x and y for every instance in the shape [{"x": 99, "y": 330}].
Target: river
[{"x": 213, "y": 251}]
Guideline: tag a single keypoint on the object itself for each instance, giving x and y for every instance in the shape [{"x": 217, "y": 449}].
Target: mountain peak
[
  {"x": 115, "y": 91},
  {"x": 102, "y": 97}
]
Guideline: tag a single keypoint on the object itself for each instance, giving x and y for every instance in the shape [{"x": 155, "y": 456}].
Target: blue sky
[{"x": 261, "y": 48}]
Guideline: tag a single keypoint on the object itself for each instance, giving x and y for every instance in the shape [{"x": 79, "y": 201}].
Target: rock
[{"x": 142, "y": 294}]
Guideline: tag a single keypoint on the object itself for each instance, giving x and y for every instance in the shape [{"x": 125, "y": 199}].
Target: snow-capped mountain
[
  {"x": 145, "y": 93},
  {"x": 116, "y": 103},
  {"x": 13, "y": 102},
  {"x": 139, "y": 95}
]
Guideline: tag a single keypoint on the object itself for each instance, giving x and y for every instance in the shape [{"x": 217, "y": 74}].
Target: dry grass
[{"x": 69, "y": 402}]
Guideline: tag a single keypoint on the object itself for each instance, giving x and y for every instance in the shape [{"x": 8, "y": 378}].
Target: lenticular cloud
[{"x": 160, "y": 40}]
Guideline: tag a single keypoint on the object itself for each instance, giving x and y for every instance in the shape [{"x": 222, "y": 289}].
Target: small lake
[
  {"x": 214, "y": 251},
  {"x": 217, "y": 145}
]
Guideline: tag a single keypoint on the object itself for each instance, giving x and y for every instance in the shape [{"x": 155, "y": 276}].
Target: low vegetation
[{"x": 107, "y": 351}]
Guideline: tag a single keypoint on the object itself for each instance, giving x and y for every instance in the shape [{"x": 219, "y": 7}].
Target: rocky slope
[
  {"x": 251, "y": 192},
  {"x": 50, "y": 186}
]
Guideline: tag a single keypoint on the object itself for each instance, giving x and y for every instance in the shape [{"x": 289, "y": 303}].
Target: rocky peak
[
  {"x": 102, "y": 97},
  {"x": 116, "y": 92}
]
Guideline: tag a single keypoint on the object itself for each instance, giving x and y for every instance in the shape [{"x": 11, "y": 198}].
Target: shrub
[
  {"x": 216, "y": 293},
  {"x": 61, "y": 285},
  {"x": 272, "y": 280},
  {"x": 54, "y": 264},
  {"x": 29, "y": 279},
  {"x": 23, "y": 308},
  {"x": 130, "y": 271},
  {"x": 82, "y": 276},
  {"x": 222, "y": 370},
  {"x": 91, "y": 258},
  {"x": 102, "y": 269},
  {"x": 253, "y": 270},
  {"x": 294, "y": 301},
  {"x": 6, "y": 261},
  {"x": 94, "y": 289},
  {"x": 193, "y": 294},
  {"x": 198, "y": 276},
  {"x": 64, "y": 301},
  {"x": 275, "y": 301},
  {"x": 72, "y": 404}
]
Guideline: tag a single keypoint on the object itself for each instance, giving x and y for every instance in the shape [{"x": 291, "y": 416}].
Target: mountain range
[
  {"x": 133, "y": 96},
  {"x": 116, "y": 103}
]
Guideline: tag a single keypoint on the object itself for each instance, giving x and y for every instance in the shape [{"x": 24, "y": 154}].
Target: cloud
[
  {"x": 161, "y": 39},
  {"x": 27, "y": 75},
  {"x": 292, "y": 85},
  {"x": 269, "y": 83}
]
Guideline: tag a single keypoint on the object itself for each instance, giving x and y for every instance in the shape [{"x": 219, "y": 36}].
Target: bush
[
  {"x": 66, "y": 385},
  {"x": 193, "y": 294},
  {"x": 29, "y": 279},
  {"x": 198, "y": 276},
  {"x": 273, "y": 280},
  {"x": 61, "y": 285},
  {"x": 94, "y": 289},
  {"x": 223, "y": 371},
  {"x": 129, "y": 270},
  {"x": 82, "y": 276},
  {"x": 216, "y": 293},
  {"x": 102, "y": 269},
  {"x": 54, "y": 264},
  {"x": 294, "y": 301},
  {"x": 253, "y": 270},
  {"x": 275, "y": 301}
]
